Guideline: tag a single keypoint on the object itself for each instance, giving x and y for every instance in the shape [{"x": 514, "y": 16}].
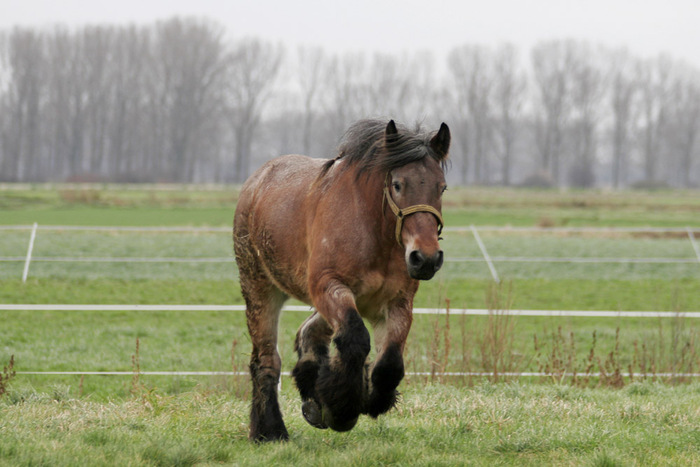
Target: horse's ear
[
  {"x": 391, "y": 129},
  {"x": 440, "y": 143}
]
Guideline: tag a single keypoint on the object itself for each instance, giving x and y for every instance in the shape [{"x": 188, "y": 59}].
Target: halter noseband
[{"x": 401, "y": 214}]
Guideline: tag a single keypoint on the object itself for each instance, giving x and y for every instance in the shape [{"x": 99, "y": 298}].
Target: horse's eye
[
  {"x": 444, "y": 189},
  {"x": 396, "y": 186}
]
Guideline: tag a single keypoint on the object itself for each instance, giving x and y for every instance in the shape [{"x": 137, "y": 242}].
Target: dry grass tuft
[{"x": 8, "y": 372}]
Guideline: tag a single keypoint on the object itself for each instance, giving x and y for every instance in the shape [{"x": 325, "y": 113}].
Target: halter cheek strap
[{"x": 401, "y": 214}]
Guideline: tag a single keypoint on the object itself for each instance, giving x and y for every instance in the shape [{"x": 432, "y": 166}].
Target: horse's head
[{"x": 414, "y": 193}]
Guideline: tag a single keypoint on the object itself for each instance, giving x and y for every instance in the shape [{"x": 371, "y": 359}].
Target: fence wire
[{"x": 470, "y": 252}]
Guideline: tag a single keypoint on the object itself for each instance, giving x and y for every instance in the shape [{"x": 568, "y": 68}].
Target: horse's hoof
[
  {"x": 270, "y": 438},
  {"x": 338, "y": 425},
  {"x": 312, "y": 414}
]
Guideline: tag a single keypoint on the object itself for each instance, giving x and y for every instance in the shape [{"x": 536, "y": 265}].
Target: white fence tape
[
  {"x": 426, "y": 311},
  {"x": 459, "y": 229},
  {"x": 691, "y": 236},
  {"x": 490, "y": 260},
  {"x": 485, "y": 253},
  {"x": 286, "y": 373},
  {"x": 303, "y": 308},
  {"x": 29, "y": 253}
]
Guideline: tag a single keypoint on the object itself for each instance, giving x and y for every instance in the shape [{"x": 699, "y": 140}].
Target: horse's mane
[{"x": 365, "y": 147}]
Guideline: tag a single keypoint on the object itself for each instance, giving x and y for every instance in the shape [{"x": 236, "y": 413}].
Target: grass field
[
  {"x": 185, "y": 205},
  {"x": 165, "y": 420},
  {"x": 501, "y": 424}
]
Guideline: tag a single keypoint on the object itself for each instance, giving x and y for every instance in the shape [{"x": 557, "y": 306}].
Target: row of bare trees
[
  {"x": 582, "y": 115},
  {"x": 180, "y": 101},
  {"x": 174, "y": 101}
]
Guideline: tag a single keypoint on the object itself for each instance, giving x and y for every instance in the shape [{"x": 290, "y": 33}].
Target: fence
[
  {"x": 459, "y": 250},
  {"x": 491, "y": 247},
  {"x": 426, "y": 311}
]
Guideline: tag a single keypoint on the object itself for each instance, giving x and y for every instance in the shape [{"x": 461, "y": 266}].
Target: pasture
[
  {"x": 442, "y": 420},
  {"x": 489, "y": 424}
]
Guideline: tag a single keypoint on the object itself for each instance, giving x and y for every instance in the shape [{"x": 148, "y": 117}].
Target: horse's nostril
[
  {"x": 440, "y": 258},
  {"x": 416, "y": 259}
]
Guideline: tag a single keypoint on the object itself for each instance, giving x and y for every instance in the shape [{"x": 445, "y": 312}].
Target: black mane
[{"x": 366, "y": 147}]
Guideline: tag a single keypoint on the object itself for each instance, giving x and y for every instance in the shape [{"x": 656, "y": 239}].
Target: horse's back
[
  {"x": 271, "y": 221},
  {"x": 279, "y": 186}
]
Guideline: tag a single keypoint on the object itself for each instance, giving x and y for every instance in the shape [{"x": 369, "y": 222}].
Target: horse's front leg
[
  {"x": 390, "y": 333},
  {"x": 340, "y": 386}
]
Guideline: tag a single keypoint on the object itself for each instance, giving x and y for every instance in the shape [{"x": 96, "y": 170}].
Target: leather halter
[{"x": 401, "y": 214}]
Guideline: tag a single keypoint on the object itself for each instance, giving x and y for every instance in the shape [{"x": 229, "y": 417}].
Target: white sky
[{"x": 646, "y": 27}]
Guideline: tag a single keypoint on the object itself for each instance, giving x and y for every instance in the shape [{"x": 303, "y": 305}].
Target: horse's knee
[
  {"x": 352, "y": 341},
  {"x": 386, "y": 375}
]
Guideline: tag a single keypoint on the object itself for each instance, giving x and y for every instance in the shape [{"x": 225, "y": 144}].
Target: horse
[{"x": 351, "y": 237}]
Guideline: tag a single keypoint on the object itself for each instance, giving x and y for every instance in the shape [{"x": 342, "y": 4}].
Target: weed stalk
[{"x": 8, "y": 372}]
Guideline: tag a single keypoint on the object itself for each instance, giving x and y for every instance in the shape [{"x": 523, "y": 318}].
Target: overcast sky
[{"x": 646, "y": 27}]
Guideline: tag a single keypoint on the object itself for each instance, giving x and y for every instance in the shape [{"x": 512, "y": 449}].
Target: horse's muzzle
[{"x": 423, "y": 267}]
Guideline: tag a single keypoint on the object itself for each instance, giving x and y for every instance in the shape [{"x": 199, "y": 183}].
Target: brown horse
[{"x": 352, "y": 237}]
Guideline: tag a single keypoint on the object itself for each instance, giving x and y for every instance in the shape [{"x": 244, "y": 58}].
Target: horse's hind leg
[
  {"x": 311, "y": 345},
  {"x": 263, "y": 304}
]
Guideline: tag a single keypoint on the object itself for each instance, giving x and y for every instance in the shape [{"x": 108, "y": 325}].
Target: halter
[{"x": 401, "y": 214}]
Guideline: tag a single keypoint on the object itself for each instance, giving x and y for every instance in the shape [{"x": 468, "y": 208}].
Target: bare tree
[
  {"x": 388, "y": 85},
  {"x": 623, "y": 88},
  {"x": 96, "y": 45},
  {"x": 420, "y": 100},
  {"x": 65, "y": 113},
  {"x": 588, "y": 86},
  {"x": 685, "y": 122},
  {"x": 654, "y": 78},
  {"x": 169, "y": 101},
  {"x": 191, "y": 63},
  {"x": 252, "y": 69},
  {"x": 472, "y": 72},
  {"x": 128, "y": 159},
  {"x": 510, "y": 85},
  {"x": 5, "y": 83},
  {"x": 348, "y": 90},
  {"x": 552, "y": 64},
  {"x": 23, "y": 104},
  {"x": 313, "y": 64}
]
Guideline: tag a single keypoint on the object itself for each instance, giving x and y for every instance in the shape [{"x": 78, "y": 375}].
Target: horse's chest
[{"x": 375, "y": 291}]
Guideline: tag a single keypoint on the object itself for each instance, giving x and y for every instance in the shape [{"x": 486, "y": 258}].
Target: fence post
[
  {"x": 29, "y": 253},
  {"x": 482, "y": 247},
  {"x": 691, "y": 236}
]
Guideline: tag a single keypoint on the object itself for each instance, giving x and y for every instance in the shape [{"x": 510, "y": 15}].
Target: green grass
[
  {"x": 511, "y": 424},
  {"x": 164, "y": 420},
  {"x": 116, "y": 207},
  {"x": 546, "y": 294},
  {"x": 204, "y": 341},
  {"x": 118, "y": 216},
  {"x": 109, "y": 205},
  {"x": 464, "y": 260}
]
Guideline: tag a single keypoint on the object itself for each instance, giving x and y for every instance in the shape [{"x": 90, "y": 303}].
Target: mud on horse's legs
[{"x": 263, "y": 305}]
